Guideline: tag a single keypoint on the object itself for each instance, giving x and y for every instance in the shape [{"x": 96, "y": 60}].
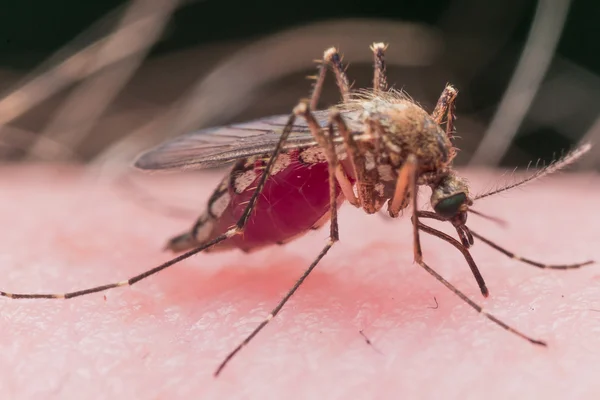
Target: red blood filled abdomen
[{"x": 295, "y": 199}]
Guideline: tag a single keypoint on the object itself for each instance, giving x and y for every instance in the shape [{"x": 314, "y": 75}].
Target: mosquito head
[{"x": 450, "y": 199}]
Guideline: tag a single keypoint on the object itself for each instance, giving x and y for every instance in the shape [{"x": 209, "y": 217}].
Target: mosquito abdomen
[{"x": 295, "y": 200}]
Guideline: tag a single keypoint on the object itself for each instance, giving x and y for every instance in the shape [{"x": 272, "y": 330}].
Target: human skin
[{"x": 163, "y": 337}]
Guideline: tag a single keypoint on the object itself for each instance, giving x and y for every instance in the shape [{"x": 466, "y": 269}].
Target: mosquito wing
[{"x": 214, "y": 147}]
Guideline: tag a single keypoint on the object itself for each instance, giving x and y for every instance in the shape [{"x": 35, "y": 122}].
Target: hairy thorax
[{"x": 387, "y": 130}]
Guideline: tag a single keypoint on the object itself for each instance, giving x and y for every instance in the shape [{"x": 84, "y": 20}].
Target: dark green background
[{"x": 30, "y": 30}]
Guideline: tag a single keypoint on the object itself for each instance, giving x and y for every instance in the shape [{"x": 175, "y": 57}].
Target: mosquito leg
[
  {"x": 368, "y": 198},
  {"x": 527, "y": 261},
  {"x": 127, "y": 282},
  {"x": 333, "y": 58},
  {"x": 452, "y": 288},
  {"x": 477, "y": 307},
  {"x": 379, "y": 77},
  {"x": 428, "y": 214},
  {"x": 327, "y": 141},
  {"x": 400, "y": 199},
  {"x": 317, "y": 86},
  {"x": 323, "y": 141},
  {"x": 411, "y": 164},
  {"x": 354, "y": 155},
  {"x": 445, "y": 108},
  {"x": 465, "y": 252},
  {"x": 444, "y": 104},
  {"x": 346, "y": 186},
  {"x": 464, "y": 233},
  {"x": 330, "y": 57},
  {"x": 237, "y": 229}
]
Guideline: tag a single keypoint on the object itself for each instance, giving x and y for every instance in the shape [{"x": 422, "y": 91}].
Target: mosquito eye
[{"x": 450, "y": 206}]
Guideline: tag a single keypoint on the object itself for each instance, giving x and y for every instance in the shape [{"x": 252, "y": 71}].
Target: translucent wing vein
[{"x": 218, "y": 146}]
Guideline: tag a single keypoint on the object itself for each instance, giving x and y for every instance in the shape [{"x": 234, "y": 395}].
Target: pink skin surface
[{"x": 164, "y": 337}]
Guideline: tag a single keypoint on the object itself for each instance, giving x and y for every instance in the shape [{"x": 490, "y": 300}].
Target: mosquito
[{"x": 290, "y": 175}]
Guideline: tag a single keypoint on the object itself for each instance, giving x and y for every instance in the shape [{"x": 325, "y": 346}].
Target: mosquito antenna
[
  {"x": 497, "y": 220},
  {"x": 549, "y": 169}
]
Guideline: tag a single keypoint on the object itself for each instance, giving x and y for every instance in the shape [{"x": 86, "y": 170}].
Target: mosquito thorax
[{"x": 406, "y": 128}]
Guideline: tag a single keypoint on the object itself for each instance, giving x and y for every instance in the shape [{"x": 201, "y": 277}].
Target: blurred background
[{"x": 97, "y": 82}]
